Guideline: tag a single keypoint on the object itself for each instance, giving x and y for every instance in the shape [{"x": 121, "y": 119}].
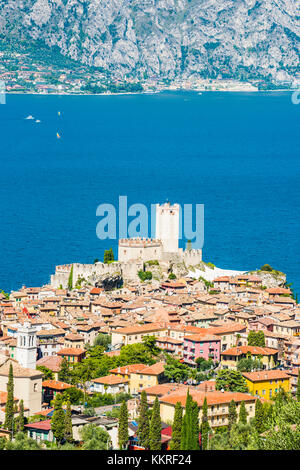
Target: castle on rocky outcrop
[{"x": 134, "y": 252}]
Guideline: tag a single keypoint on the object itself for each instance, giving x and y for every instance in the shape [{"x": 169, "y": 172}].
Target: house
[
  {"x": 40, "y": 431},
  {"x": 126, "y": 371},
  {"x": 74, "y": 341},
  {"x": 170, "y": 345},
  {"x": 232, "y": 356},
  {"x": 51, "y": 388},
  {"x": 217, "y": 403},
  {"x": 201, "y": 345},
  {"x": 266, "y": 383},
  {"x": 73, "y": 355},
  {"x": 294, "y": 374},
  {"x": 135, "y": 334},
  {"x": 147, "y": 376},
  {"x": 110, "y": 384}
]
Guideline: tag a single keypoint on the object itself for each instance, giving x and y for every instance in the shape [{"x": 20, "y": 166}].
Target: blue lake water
[{"x": 236, "y": 153}]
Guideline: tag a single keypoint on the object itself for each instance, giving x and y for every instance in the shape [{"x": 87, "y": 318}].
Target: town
[
  {"x": 27, "y": 69},
  {"x": 152, "y": 357}
]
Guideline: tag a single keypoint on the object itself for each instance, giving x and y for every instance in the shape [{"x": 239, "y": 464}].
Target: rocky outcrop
[
  {"x": 110, "y": 281},
  {"x": 165, "y": 38}
]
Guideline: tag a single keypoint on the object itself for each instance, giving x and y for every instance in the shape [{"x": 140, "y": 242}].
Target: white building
[
  {"x": 26, "y": 346},
  {"x": 167, "y": 226}
]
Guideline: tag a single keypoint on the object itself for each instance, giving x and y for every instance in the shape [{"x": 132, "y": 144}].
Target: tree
[
  {"x": 243, "y": 413},
  {"x": 298, "y": 387},
  {"x": 64, "y": 372},
  {"x": 232, "y": 414},
  {"x": 22, "y": 442},
  {"x": 195, "y": 426},
  {"x": 123, "y": 435},
  {"x": 155, "y": 427},
  {"x": 172, "y": 276},
  {"x": 47, "y": 373},
  {"x": 103, "y": 340},
  {"x": 175, "y": 370},
  {"x": 150, "y": 343},
  {"x": 68, "y": 424},
  {"x": 203, "y": 364},
  {"x": 94, "y": 438},
  {"x": 231, "y": 381},
  {"x": 175, "y": 443},
  {"x": 256, "y": 339},
  {"x": 58, "y": 419},
  {"x": 70, "y": 280},
  {"x": 261, "y": 339},
  {"x": 186, "y": 423},
  {"x": 145, "y": 275},
  {"x": 204, "y": 428},
  {"x": 21, "y": 417},
  {"x": 73, "y": 395},
  {"x": 108, "y": 256},
  {"x": 248, "y": 365},
  {"x": 9, "y": 407},
  {"x": 190, "y": 425},
  {"x": 143, "y": 422},
  {"x": 259, "y": 417}
]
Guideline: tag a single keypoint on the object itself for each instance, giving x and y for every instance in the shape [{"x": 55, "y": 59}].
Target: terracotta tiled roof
[
  {"x": 71, "y": 352},
  {"x": 56, "y": 384},
  {"x": 265, "y": 375},
  {"x": 110, "y": 380},
  {"x": 255, "y": 350}
]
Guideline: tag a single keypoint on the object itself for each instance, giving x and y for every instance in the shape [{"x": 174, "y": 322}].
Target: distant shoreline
[{"x": 147, "y": 92}]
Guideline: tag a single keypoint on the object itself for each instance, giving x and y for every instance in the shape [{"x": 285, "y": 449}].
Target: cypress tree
[
  {"x": 175, "y": 443},
  {"x": 70, "y": 280},
  {"x": 123, "y": 435},
  {"x": 68, "y": 423},
  {"x": 155, "y": 427},
  {"x": 186, "y": 424},
  {"x": 9, "y": 407},
  {"x": 259, "y": 416},
  {"x": 143, "y": 426},
  {"x": 58, "y": 419},
  {"x": 261, "y": 339},
  {"x": 204, "y": 428},
  {"x": 232, "y": 414},
  {"x": 243, "y": 413},
  {"x": 195, "y": 426},
  {"x": 21, "y": 417},
  {"x": 298, "y": 387},
  {"x": 64, "y": 372}
]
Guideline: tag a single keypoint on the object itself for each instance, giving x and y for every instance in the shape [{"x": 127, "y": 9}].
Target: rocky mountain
[{"x": 165, "y": 38}]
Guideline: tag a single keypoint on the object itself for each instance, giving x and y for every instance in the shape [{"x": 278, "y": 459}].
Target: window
[{"x": 263, "y": 392}]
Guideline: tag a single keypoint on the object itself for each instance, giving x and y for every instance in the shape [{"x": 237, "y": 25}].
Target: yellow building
[
  {"x": 232, "y": 356},
  {"x": 147, "y": 376},
  {"x": 266, "y": 383},
  {"x": 217, "y": 405}
]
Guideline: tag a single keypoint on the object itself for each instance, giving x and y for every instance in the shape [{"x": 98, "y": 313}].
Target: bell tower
[{"x": 26, "y": 346}]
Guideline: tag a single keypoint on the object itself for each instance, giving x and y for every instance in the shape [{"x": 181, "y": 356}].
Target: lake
[{"x": 236, "y": 153}]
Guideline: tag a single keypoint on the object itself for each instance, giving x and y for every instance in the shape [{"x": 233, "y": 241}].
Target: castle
[{"x": 134, "y": 252}]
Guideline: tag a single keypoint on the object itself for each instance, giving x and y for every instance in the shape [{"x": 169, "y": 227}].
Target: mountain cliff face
[{"x": 165, "y": 38}]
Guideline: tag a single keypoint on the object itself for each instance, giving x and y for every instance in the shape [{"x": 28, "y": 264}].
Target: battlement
[{"x": 139, "y": 242}]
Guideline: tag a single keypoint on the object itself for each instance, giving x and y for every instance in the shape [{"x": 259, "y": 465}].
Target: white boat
[
  {"x": 29, "y": 117},
  {"x": 37, "y": 120}
]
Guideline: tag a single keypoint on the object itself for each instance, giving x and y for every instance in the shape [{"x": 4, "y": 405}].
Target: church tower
[
  {"x": 167, "y": 226},
  {"x": 26, "y": 346}
]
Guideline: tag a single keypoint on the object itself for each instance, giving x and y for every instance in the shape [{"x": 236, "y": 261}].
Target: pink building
[{"x": 201, "y": 345}]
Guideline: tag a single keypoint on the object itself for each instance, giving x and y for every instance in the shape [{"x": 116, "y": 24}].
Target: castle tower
[
  {"x": 167, "y": 226},
  {"x": 26, "y": 346}
]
